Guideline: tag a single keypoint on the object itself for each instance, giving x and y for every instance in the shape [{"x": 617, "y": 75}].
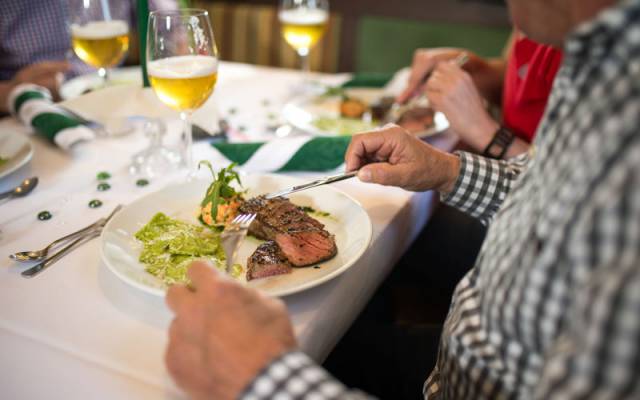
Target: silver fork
[{"x": 233, "y": 235}]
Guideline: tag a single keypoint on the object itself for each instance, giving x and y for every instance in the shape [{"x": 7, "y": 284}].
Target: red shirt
[{"x": 531, "y": 69}]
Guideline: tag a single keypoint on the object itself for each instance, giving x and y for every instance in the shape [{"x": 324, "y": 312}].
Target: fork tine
[{"x": 250, "y": 219}]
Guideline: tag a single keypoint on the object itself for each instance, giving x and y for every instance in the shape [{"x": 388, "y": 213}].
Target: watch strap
[{"x": 500, "y": 143}]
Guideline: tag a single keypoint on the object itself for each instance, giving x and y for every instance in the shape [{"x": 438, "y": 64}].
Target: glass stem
[
  {"x": 187, "y": 140},
  {"x": 304, "y": 61},
  {"x": 104, "y": 74}
]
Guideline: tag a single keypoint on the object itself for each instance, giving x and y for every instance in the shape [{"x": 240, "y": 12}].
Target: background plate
[
  {"x": 302, "y": 111},
  {"x": 17, "y": 149},
  {"x": 348, "y": 222}
]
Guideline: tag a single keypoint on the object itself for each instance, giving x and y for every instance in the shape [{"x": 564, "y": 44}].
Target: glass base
[{"x": 155, "y": 162}]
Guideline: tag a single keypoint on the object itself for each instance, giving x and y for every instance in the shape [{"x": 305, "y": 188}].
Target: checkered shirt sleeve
[
  {"x": 294, "y": 376},
  {"x": 483, "y": 184}
]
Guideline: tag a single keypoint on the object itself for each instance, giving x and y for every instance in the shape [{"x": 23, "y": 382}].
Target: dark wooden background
[{"x": 491, "y": 13}]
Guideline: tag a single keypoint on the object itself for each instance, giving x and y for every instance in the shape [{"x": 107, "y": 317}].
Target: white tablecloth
[{"x": 76, "y": 331}]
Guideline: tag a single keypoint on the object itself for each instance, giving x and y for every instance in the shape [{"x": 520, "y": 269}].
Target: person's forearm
[
  {"x": 483, "y": 132},
  {"x": 490, "y": 79},
  {"x": 5, "y": 89}
]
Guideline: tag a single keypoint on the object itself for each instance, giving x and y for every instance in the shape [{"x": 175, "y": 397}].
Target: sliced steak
[
  {"x": 267, "y": 260},
  {"x": 303, "y": 239},
  {"x": 307, "y": 247},
  {"x": 276, "y": 215}
]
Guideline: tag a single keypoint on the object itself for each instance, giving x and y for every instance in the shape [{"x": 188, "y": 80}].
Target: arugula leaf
[{"x": 220, "y": 191}]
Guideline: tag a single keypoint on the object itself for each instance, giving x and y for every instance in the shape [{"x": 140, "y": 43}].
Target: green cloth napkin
[
  {"x": 288, "y": 154},
  {"x": 373, "y": 80},
  {"x": 33, "y": 106}
]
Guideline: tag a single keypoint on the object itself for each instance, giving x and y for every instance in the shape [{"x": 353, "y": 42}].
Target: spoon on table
[{"x": 21, "y": 190}]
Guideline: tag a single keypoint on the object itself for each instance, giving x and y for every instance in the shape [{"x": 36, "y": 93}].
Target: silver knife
[{"x": 319, "y": 182}]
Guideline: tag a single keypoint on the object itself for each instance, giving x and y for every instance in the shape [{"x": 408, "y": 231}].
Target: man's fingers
[
  {"x": 179, "y": 297},
  {"x": 361, "y": 147},
  {"x": 201, "y": 274}
]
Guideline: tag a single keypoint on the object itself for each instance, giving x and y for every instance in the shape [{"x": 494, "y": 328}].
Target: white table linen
[{"x": 77, "y": 331}]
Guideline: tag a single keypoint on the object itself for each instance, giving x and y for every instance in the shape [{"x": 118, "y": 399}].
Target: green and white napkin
[
  {"x": 287, "y": 154},
  {"x": 33, "y": 106}
]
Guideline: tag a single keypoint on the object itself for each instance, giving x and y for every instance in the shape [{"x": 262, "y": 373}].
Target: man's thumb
[{"x": 382, "y": 173}]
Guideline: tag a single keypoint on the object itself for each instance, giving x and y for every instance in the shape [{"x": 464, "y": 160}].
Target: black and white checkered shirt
[{"x": 552, "y": 308}]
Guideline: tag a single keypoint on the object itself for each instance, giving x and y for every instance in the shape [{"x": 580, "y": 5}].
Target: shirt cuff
[
  {"x": 462, "y": 183},
  {"x": 480, "y": 187},
  {"x": 293, "y": 376}
]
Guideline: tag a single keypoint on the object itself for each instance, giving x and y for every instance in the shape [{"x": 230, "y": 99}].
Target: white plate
[
  {"x": 81, "y": 84},
  {"x": 17, "y": 149},
  {"x": 348, "y": 222},
  {"x": 302, "y": 111}
]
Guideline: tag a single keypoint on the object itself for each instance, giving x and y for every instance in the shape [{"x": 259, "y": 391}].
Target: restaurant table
[{"x": 77, "y": 331}]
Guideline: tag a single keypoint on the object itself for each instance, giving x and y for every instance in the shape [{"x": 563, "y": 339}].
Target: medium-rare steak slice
[
  {"x": 303, "y": 239},
  {"x": 276, "y": 215},
  {"x": 307, "y": 247},
  {"x": 267, "y": 260}
]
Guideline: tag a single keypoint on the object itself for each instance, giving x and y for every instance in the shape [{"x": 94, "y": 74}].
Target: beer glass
[
  {"x": 182, "y": 64},
  {"x": 100, "y": 33},
  {"x": 303, "y": 24}
]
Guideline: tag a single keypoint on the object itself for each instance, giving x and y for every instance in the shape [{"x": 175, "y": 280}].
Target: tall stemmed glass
[
  {"x": 182, "y": 64},
  {"x": 303, "y": 25},
  {"x": 99, "y": 33}
]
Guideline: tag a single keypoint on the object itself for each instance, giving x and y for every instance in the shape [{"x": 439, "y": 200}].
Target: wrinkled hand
[
  {"x": 223, "y": 334},
  {"x": 48, "y": 74},
  {"x": 391, "y": 156},
  {"x": 452, "y": 91},
  {"x": 426, "y": 60}
]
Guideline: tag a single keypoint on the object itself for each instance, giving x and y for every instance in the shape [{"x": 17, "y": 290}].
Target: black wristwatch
[{"x": 500, "y": 143}]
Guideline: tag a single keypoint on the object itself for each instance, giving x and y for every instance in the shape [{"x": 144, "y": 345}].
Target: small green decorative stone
[
  {"x": 102, "y": 187},
  {"x": 233, "y": 110},
  {"x": 265, "y": 102},
  {"x": 103, "y": 175},
  {"x": 142, "y": 182},
  {"x": 271, "y": 116},
  {"x": 95, "y": 203},
  {"x": 44, "y": 215},
  {"x": 242, "y": 128}
]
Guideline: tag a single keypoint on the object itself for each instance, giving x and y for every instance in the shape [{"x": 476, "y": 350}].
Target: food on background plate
[
  {"x": 381, "y": 107},
  {"x": 342, "y": 126},
  {"x": 3, "y": 161},
  {"x": 417, "y": 119},
  {"x": 293, "y": 238},
  {"x": 351, "y": 107},
  {"x": 352, "y": 114}
]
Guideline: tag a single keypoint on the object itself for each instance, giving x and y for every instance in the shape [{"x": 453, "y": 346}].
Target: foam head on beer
[
  {"x": 303, "y": 27},
  {"x": 183, "y": 83},
  {"x": 101, "y": 44}
]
